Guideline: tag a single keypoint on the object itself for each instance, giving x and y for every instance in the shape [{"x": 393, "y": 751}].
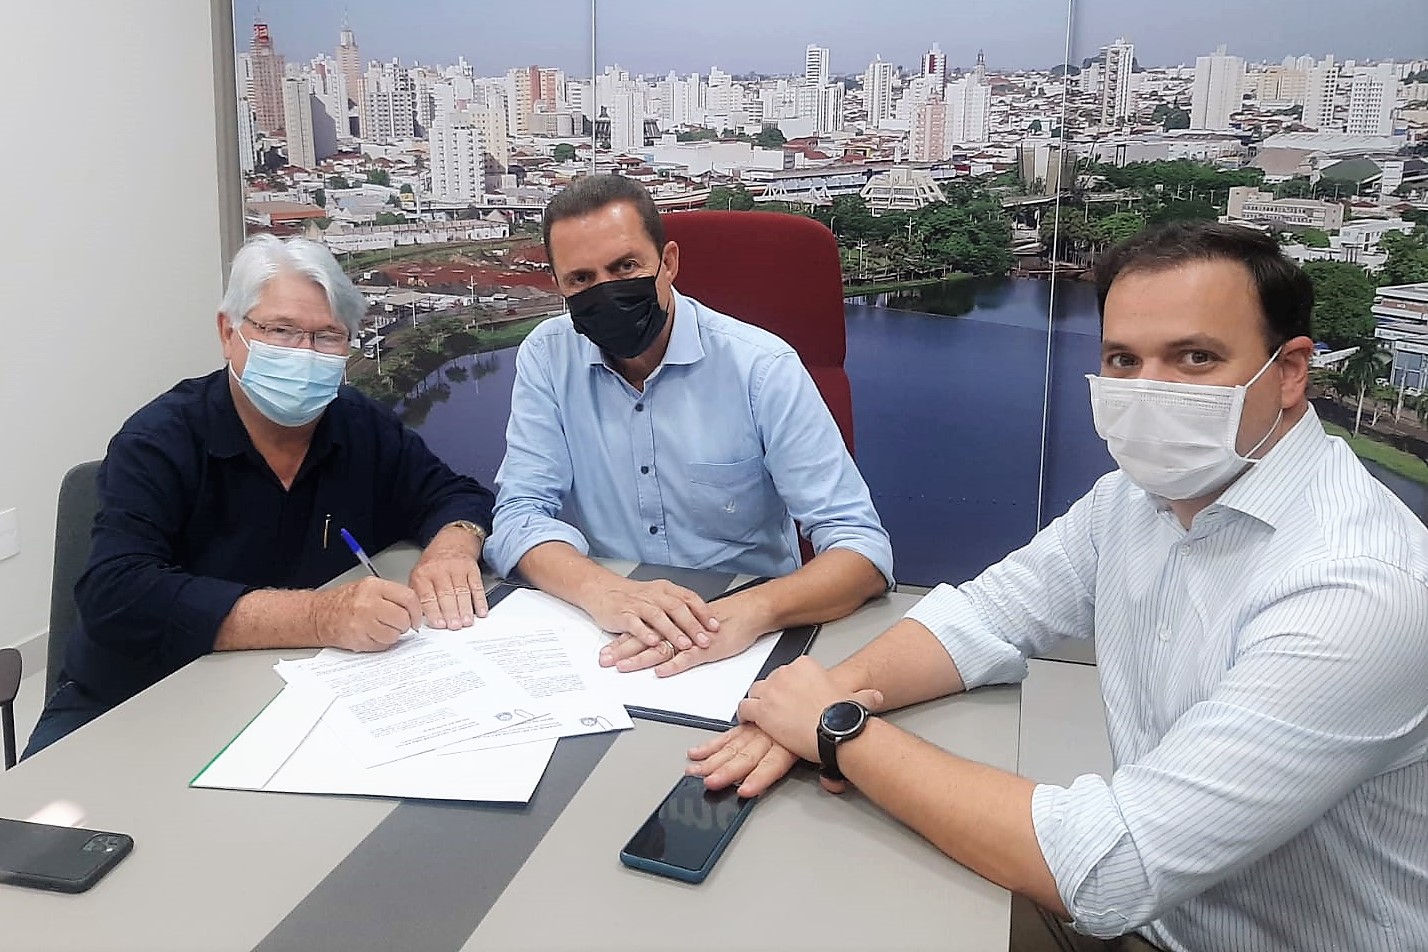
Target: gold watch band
[{"x": 471, "y": 527}]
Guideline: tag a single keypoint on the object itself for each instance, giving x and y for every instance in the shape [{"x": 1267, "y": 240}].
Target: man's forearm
[
  {"x": 978, "y": 815},
  {"x": 270, "y": 619},
  {"x": 906, "y": 663},
  {"x": 559, "y": 569},
  {"x": 835, "y": 583}
]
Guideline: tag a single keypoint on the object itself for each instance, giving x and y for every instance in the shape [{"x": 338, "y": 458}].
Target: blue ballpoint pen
[{"x": 357, "y": 551}]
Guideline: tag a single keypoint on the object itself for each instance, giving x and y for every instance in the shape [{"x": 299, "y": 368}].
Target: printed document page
[
  {"x": 288, "y": 748},
  {"x": 711, "y": 690}
]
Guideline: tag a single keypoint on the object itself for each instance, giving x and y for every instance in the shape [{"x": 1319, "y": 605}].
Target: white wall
[{"x": 109, "y": 291}]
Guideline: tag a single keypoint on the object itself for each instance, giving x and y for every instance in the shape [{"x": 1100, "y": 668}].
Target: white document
[
  {"x": 288, "y": 748},
  {"x": 556, "y": 671},
  {"x": 711, "y": 690},
  {"x": 427, "y": 691}
]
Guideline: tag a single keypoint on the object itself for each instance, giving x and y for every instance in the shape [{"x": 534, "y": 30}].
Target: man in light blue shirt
[
  {"x": 648, "y": 427},
  {"x": 1260, "y": 609}
]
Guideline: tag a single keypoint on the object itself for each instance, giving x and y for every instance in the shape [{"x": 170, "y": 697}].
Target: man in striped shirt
[{"x": 1260, "y": 609}]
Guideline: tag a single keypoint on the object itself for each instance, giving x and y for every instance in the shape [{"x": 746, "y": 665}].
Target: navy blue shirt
[{"x": 191, "y": 518}]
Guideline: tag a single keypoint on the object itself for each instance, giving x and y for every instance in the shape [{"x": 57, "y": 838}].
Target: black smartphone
[
  {"x": 684, "y": 837},
  {"x": 59, "y": 858}
]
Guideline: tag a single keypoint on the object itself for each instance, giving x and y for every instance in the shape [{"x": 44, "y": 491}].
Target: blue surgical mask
[{"x": 289, "y": 385}]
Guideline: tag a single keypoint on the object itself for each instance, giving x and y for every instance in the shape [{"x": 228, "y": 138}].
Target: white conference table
[{"x": 221, "y": 870}]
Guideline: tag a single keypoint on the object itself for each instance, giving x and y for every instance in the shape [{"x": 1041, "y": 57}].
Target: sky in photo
[{"x": 756, "y": 35}]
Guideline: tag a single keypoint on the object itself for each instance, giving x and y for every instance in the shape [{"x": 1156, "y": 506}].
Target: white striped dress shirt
[{"x": 1265, "y": 676}]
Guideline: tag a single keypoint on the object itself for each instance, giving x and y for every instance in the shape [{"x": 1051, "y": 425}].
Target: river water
[{"x": 953, "y": 404}]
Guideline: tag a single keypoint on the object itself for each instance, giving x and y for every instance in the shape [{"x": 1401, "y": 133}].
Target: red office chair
[{"x": 779, "y": 272}]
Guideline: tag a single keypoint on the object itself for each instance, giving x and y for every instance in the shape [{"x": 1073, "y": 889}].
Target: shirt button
[
  {"x": 1164, "y": 633},
  {"x": 654, "y": 530},
  {"x": 1185, "y": 549},
  {"x": 644, "y": 470},
  {"x": 639, "y": 408}
]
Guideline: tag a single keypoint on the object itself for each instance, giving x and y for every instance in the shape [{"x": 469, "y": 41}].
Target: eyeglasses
[{"x": 284, "y": 335}]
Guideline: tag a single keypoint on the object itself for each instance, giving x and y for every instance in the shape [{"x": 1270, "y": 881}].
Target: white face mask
[{"x": 1175, "y": 440}]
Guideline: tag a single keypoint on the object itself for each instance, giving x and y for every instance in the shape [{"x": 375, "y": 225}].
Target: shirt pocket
[{"x": 730, "y": 501}]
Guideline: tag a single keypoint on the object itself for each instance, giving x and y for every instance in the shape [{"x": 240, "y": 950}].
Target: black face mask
[{"x": 622, "y": 318}]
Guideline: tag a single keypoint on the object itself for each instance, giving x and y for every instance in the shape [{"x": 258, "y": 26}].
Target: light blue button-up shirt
[
  {"x": 1266, "y": 684},
  {"x": 708, "y": 467}
]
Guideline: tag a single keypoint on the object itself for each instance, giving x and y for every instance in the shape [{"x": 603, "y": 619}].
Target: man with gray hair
[{"x": 221, "y": 503}]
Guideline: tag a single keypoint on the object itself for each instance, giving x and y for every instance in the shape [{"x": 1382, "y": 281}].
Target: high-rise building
[
  {"x": 1116, "y": 82},
  {"x": 297, "y": 122},
  {"x": 1372, "y": 91},
  {"x": 681, "y": 100},
  {"x": 391, "y": 105},
  {"x": 929, "y": 132},
  {"x": 969, "y": 110},
  {"x": 423, "y": 82},
  {"x": 243, "y": 76},
  {"x": 247, "y": 137},
  {"x": 724, "y": 97},
  {"x": 1321, "y": 90},
  {"x": 806, "y": 98},
  {"x": 458, "y": 158},
  {"x": 267, "y": 66},
  {"x": 580, "y": 97},
  {"x": 830, "y": 108},
  {"x": 1218, "y": 90},
  {"x": 330, "y": 112},
  {"x": 780, "y": 99},
  {"x": 815, "y": 66},
  {"x": 490, "y": 120},
  {"x": 1090, "y": 80},
  {"x": 878, "y": 91},
  {"x": 547, "y": 88},
  {"x": 627, "y": 118},
  {"x": 917, "y": 90},
  {"x": 1283, "y": 85},
  {"x": 349, "y": 61},
  {"x": 934, "y": 64},
  {"x": 520, "y": 97}
]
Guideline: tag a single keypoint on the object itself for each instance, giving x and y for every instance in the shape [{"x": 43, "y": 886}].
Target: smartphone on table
[
  {"x": 689, "y": 830},
  {"x": 58, "y": 858}
]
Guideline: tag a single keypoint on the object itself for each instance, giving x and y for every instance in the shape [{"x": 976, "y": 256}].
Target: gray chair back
[
  {"x": 11, "y": 670},
  {"x": 74, "y": 521}
]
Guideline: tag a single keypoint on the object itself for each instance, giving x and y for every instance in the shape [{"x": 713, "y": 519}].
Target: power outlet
[{"x": 9, "y": 533}]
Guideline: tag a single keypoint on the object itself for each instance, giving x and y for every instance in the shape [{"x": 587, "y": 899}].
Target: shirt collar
[
  {"x": 685, "y": 347},
  {"x": 1267, "y": 491},
  {"x": 228, "y": 437}
]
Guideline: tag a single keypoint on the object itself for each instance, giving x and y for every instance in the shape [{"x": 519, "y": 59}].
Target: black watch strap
[{"x": 828, "y": 756}]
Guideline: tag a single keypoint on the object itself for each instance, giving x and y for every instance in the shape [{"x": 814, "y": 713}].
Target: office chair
[
  {"x": 779, "y": 272},
  {"x": 11, "y": 668},
  {"x": 74, "y": 520}
]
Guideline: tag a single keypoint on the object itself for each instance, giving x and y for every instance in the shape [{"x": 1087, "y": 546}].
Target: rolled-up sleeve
[
  {"x": 536, "y": 474},
  {"x": 133, "y": 597},
  {"x": 1020, "y": 607},
  {"x": 1329, "y": 687},
  {"x": 811, "y": 468}
]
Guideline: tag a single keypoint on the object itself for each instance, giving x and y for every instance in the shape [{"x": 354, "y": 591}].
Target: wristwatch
[
  {"x": 471, "y": 527},
  {"x": 840, "y": 723}
]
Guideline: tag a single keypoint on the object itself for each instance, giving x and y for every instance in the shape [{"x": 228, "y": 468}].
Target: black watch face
[{"x": 842, "y": 717}]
